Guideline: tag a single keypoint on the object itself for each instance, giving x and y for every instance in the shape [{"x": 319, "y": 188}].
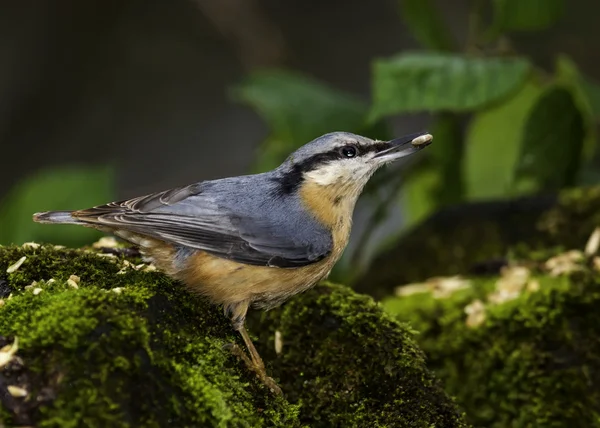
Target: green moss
[
  {"x": 149, "y": 355},
  {"x": 135, "y": 349},
  {"x": 466, "y": 238},
  {"x": 534, "y": 361},
  {"x": 384, "y": 384}
]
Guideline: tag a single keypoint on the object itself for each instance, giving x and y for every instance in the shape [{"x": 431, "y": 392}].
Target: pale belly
[{"x": 226, "y": 282}]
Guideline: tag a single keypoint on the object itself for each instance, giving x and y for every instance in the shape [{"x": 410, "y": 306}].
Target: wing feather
[{"x": 181, "y": 217}]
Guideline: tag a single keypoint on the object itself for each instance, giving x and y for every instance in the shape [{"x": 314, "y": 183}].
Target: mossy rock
[
  {"x": 474, "y": 237},
  {"x": 533, "y": 361},
  {"x": 127, "y": 347}
]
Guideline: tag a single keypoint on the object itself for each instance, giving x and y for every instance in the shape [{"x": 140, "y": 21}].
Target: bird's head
[{"x": 344, "y": 162}]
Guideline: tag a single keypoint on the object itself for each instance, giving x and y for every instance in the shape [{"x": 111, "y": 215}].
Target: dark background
[{"x": 144, "y": 84}]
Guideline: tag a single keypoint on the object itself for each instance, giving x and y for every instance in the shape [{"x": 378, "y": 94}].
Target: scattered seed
[
  {"x": 278, "y": 342},
  {"x": 59, "y": 247},
  {"x": 106, "y": 242},
  {"x": 12, "y": 268},
  {"x": 37, "y": 291},
  {"x": 445, "y": 286},
  {"x": 511, "y": 283},
  {"x": 533, "y": 285},
  {"x": 475, "y": 313},
  {"x": 30, "y": 245},
  {"x": 7, "y": 352},
  {"x": 565, "y": 263},
  {"x": 407, "y": 290},
  {"x": 16, "y": 391},
  {"x": 440, "y": 286},
  {"x": 593, "y": 243},
  {"x": 34, "y": 284},
  {"x": 105, "y": 255}
]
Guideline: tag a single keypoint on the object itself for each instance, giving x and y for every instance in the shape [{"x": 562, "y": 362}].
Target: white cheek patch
[
  {"x": 326, "y": 174},
  {"x": 339, "y": 172}
]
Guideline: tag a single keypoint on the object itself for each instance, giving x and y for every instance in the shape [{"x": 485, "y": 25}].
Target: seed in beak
[{"x": 422, "y": 139}]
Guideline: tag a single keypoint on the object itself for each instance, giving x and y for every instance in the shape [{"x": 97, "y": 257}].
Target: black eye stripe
[
  {"x": 290, "y": 182},
  {"x": 319, "y": 159}
]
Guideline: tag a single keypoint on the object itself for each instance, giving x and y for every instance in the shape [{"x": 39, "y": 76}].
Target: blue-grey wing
[{"x": 252, "y": 229}]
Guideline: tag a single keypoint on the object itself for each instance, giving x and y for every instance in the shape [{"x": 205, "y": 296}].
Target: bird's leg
[{"x": 255, "y": 363}]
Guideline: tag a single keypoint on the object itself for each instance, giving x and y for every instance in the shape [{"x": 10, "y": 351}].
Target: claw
[{"x": 259, "y": 369}]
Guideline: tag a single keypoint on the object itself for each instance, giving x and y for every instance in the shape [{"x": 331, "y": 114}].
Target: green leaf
[
  {"x": 65, "y": 188},
  {"x": 298, "y": 109},
  {"x": 493, "y": 144},
  {"x": 552, "y": 145},
  {"x": 442, "y": 82},
  {"x": 526, "y": 15},
  {"x": 426, "y": 24},
  {"x": 568, "y": 75}
]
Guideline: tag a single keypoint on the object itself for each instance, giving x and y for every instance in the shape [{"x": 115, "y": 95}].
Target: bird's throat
[{"x": 332, "y": 207}]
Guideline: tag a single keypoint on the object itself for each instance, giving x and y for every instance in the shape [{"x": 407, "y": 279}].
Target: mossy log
[
  {"x": 518, "y": 350},
  {"x": 120, "y": 345},
  {"x": 473, "y": 236}
]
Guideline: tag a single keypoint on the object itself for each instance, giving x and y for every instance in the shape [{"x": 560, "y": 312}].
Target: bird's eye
[{"x": 348, "y": 151}]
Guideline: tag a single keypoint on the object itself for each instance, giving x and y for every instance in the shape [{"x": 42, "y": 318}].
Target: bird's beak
[{"x": 403, "y": 146}]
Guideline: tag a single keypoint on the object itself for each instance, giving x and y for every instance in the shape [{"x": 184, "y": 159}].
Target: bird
[{"x": 252, "y": 241}]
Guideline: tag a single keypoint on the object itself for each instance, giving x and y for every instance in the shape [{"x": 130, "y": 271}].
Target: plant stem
[{"x": 474, "y": 26}]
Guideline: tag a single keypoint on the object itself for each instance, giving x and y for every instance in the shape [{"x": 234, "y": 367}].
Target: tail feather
[{"x": 58, "y": 217}]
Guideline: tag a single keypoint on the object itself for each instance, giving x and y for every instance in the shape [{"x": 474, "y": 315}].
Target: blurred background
[{"x": 106, "y": 100}]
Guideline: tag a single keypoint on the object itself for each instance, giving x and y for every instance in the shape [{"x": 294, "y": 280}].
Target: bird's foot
[{"x": 256, "y": 367}]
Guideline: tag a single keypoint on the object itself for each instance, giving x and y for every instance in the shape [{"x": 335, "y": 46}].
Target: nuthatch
[{"x": 254, "y": 240}]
